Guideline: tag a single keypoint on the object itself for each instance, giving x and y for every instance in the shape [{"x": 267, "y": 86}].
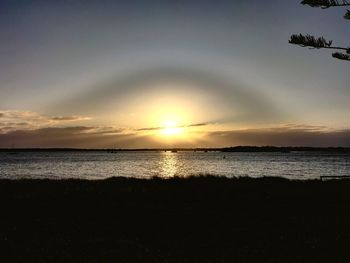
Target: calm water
[{"x": 99, "y": 165}]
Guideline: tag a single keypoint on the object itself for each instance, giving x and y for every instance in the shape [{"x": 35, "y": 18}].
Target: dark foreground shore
[{"x": 179, "y": 220}]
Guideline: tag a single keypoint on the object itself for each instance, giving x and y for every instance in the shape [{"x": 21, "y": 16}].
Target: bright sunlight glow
[{"x": 171, "y": 128}]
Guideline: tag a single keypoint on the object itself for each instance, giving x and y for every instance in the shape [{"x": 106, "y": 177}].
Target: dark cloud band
[{"x": 94, "y": 137}]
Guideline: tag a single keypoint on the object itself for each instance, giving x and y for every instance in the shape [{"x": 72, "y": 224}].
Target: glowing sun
[{"x": 170, "y": 127}]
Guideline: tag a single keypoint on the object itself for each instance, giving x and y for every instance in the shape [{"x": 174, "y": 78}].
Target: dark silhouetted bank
[{"x": 204, "y": 219}]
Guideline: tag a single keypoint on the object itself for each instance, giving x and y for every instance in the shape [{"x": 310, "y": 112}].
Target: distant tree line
[{"x": 342, "y": 53}]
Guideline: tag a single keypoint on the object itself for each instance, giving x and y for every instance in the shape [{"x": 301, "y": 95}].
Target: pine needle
[
  {"x": 310, "y": 41},
  {"x": 325, "y": 3}
]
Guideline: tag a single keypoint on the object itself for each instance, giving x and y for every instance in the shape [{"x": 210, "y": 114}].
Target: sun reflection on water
[{"x": 169, "y": 164}]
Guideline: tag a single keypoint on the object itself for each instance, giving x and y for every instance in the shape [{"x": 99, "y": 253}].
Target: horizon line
[{"x": 227, "y": 148}]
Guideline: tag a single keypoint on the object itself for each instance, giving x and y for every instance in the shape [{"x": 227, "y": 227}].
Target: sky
[{"x": 149, "y": 74}]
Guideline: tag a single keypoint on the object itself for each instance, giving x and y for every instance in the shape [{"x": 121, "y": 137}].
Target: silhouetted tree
[{"x": 321, "y": 42}]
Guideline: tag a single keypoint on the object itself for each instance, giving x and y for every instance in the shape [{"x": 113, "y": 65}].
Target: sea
[{"x": 94, "y": 165}]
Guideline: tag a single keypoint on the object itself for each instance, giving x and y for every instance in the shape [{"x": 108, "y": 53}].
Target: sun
[{"x": 171, "y": 128}]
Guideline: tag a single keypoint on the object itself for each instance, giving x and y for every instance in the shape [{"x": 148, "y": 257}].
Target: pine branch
[
  {"x": 341, "y": 56},
  {"x": 313, "y": 42},
  {"x": 310, "y": 41},
  {"x": 320, "y": 42},
  {"x": 347, "y": 15},
  {"x": 325, "y": 3}
]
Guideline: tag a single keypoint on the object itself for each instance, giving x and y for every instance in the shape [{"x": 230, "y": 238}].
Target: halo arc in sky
[{"x": 239, "y": 102}]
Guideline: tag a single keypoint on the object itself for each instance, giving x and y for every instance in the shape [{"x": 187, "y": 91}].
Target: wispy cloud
[
  {"x": 78, "y": 137},
  {"x": 31, "y": 129},
  {"x": 70, "y": 118},
  {"x": 11, "y": 120},
  {"x": 178, "y": 126},
  {"x": 106, "y": 130},
  {"x": 197, "y": 125},
  {"x": 290, "y": 135},
  {"x": 305, "y": 127}
]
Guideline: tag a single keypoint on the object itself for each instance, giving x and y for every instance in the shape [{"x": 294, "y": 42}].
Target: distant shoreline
[{"x": 223, "y": 149}]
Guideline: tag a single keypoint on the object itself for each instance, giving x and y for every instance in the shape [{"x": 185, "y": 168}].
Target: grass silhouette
[{"x": 197, "y": 219}]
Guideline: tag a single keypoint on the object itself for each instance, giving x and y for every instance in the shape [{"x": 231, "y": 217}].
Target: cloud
[
  {"x": 69, "y": 118},
  {"x": 305, "y": 127},
  {"x": 75, "y": 137},
  {"x": 150, "y": 129},
  {"x": 283, "y": 136},
  {"x": 110, "y": 137},
  {"x": 106, "y": 130},
  {"x": 197, "y": 125},
  {"x": 179, "y": 126},
  {"x": 12, "y": 120}
]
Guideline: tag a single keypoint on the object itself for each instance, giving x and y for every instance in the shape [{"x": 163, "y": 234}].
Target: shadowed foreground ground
[{"x": 179, "y": 220}]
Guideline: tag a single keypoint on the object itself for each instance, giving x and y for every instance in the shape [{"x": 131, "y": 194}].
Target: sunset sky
[{"x": 148, "y": 74}]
